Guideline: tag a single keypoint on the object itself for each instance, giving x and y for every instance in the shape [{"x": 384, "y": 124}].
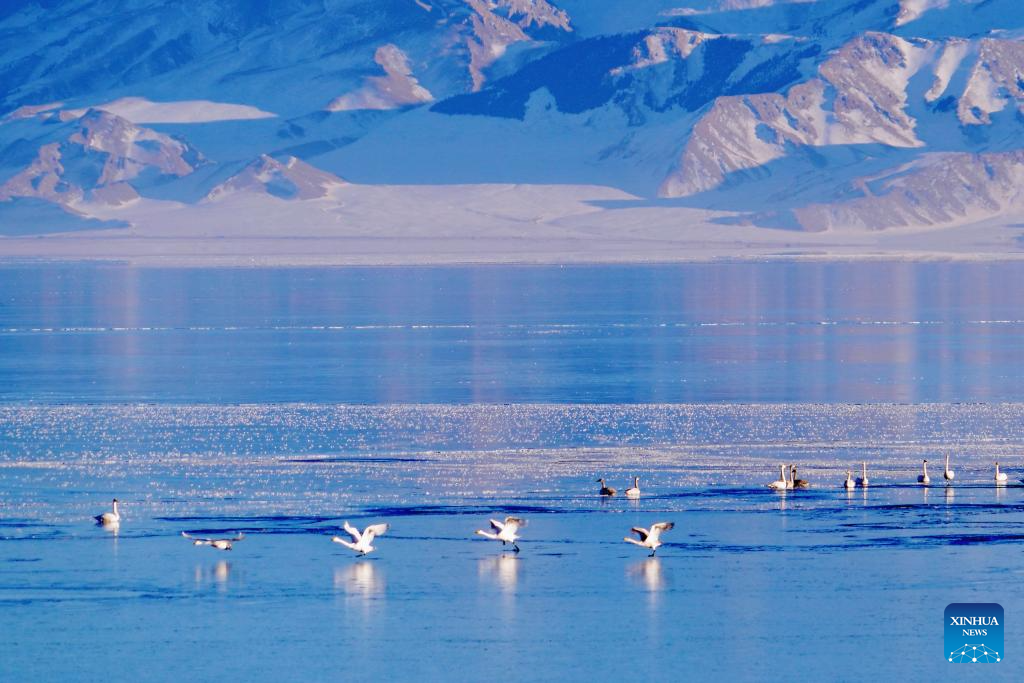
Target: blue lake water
[{"x": 281, "y": 402}]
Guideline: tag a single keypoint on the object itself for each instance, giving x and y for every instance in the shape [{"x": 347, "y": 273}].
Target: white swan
[
  {"x": 649, "y": 539},
  {"x": 109, "y": 518},
  {"x": 1000, "y": 476},
  {"x": 606, "y": 490},
  {"x": 797, "y": 483},
  {"x": 216, "y": 543},
  {"x": 924, "y": 478},
  {"x": 634, "y": 490},
  {"x": 361, "y": 543},
  {"x": 849, "y": 483},
  {"x": 780, "y": 484},
  {"x": 862, "y": 480},
  {"x": 947, "y": 473},
  {"x": 505, "y": 531}
]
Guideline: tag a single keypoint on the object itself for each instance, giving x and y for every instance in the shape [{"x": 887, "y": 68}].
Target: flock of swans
[
  {"x": 783, "y": 483},
  {"x": 362, "y": 541},
  {"x": 507, "y": 531}
]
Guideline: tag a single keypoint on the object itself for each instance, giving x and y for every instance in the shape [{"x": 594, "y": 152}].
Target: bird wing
[
  {"x": 641, "y": 532},
  {"x": 196, "y": 538},
  {"x": 657, "y": 529},
  {"x": 375, "y": 530},
  {"x": 514, "y": 522},
  {"x": 238, "y": 537},
  {"x": 339, "y": 539},
  {"x": 496, "y": 525},
  {"x": 352, "y": 531}
]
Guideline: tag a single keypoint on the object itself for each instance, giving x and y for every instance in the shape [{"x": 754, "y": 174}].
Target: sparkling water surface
[{"x": 280, "y": 403}]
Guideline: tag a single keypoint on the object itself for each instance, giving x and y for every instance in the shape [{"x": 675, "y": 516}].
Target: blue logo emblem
[{"x": 974, "y": 633}]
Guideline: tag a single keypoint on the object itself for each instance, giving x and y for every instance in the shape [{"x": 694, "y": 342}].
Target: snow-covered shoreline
[{"x": 475, "y": 224}]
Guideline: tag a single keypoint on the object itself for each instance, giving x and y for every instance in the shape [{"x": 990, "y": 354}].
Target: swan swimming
[
  {"x": 797, "y": 483},
  {"x": 862, "y": 480},
  {"x": 849, "y": 483},
  {"x": 634, "y": 490},
  {"x": 109, "y": 518},
  {"x": 649, "y": 539},
  {"x": 947, "y": 473},
  {"x": 1000, "y": 476},
  {"x": 361, "y": 543},
  {"x": 506, "y": 531},
  {"x": 605, "y": 490},
  {"x": 215, "y": 543},
  {"x": 780, "y": 484},
  {"x": 924, "y": 478}
]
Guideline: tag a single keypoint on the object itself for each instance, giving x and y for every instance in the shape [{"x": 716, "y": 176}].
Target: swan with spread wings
[
  {"x": 215, "y": 543},
  {"x": 649, "y": 538},
  {"x": 504, "y": 531},
  {"x": 362, "y": 541}
]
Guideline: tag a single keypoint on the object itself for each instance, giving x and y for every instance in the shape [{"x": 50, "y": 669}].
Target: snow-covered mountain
[
  {"x": 816, "y": 115},
  {"x": 97, "y": 157}
]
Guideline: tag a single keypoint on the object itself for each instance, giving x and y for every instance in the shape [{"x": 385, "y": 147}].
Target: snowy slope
[{"x": 289, "y": 179}]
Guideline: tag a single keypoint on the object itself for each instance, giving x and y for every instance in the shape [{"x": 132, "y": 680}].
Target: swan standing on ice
[
  {"x": 606, "y": 490},
  {"x": 947, "y": 473},
  {"x": 506, "y": 531},
  {"x": 797, "y": 483},
  {"x": 862, "y": 480},
  {"x": 849, "y": 483},
  {"x": 634, "y": 490},
  {"x": 780, "y": 484},
  {"x": 109, "y": 518},
  {"x": 924, "y": 478},
  {"x": 649, "y": 539},
  {"x": 362, "y": 543},
  {"x": 1000, "y": 476},
  {"x": 215, "y": 543}
]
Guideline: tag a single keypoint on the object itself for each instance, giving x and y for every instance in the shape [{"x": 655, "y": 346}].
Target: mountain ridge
[{"x": 820, "y": 116}]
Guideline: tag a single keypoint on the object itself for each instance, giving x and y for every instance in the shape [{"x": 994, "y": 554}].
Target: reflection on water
[
  {"x": 359, "y": 579},
  {"x": 857, "y": 495},
  {"x": 774, "y": 332},
  {"x": 217, "y": 575},
  {"x": 502, "y": 570},
  {"x": 648, "y": 573}
]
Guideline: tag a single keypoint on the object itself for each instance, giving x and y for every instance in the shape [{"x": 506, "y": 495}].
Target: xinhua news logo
[{"x": 974, "y": 633}]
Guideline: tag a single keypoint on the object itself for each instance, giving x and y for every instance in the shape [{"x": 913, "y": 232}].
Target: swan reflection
[
  {"x": 217, "y": 575},
  {"x": 359, "y": 579},
  {"x": 503, "y": 570},
  {"x": 648, "y": 573}
]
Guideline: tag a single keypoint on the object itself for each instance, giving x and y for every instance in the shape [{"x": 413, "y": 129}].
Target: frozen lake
[{"x": 279, "y": 403}]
